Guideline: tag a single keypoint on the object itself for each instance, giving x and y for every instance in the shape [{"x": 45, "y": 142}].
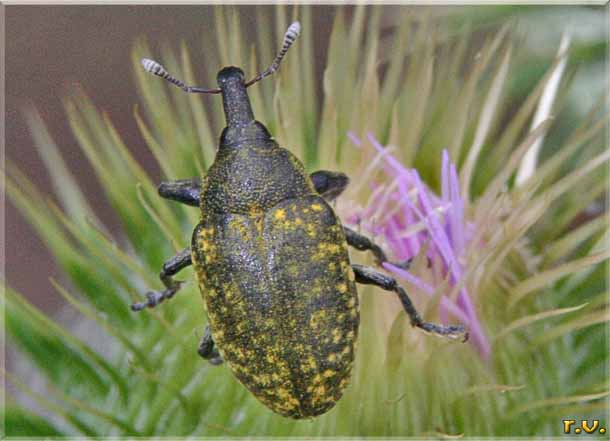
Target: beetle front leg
[
  {"x": 329, "y": 184},
  {"x": 170, "y": 268},
  {"x": 207, "y": 348},
  {"x": 363, "y": 243},
  {"x": 185, "y": 191},
  {"x": 370, "y": 276}
]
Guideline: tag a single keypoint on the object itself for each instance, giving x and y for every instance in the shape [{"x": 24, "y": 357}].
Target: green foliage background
[{"x": 421, "y": 81}]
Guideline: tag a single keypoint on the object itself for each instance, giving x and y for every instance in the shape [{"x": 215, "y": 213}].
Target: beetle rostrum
[{"x": 271, "y": 260}]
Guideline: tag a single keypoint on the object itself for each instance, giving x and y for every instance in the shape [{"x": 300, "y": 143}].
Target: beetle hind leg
[
  {"x": 370, "y": 276},
  {"x": 170, "y": 268},
  {"x": 207, "y": 348}
]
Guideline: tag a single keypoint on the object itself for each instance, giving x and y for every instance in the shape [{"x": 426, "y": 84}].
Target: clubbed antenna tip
[
  {"x": 293, "y": 31},
  {"x": 151, "y": 66}
]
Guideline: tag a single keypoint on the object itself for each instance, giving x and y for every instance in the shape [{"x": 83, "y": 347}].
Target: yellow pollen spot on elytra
[
  {"x": 342, "y": 288},
  {"x": 239, "y": 353},
  {"x": 317, "y": 378},
  {"x": 334, "y": 248},
  {"x": 298, "y": 221},
  {"x": 352, "y": 302},
  {"x": 305, "y": 367},
  {"x": 350, "y": 335},
  {"x": 280, "y": 214},
  {"x": 284, "y": 394},
  {"x": 211, "y": 293},
  {"x": 207, "y": 231},
  {"x": 319, "y": 392},
  {"x": 328, "y": 373},
  {"x": 316, "y": 317},
  {"x": 264, "y": 379},
  {"x": 332, "y": 358},
  {"x": 332, "y": 266},
  {"x": 336, "y": 335},
  {"x": 346, "y": 350},
  {"x": 312, "y": 363},
  {"x": 316, "y": 207}
]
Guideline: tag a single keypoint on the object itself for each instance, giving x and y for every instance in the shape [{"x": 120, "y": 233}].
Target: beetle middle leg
[
  {"x": 330, "y": 185},
  {"x": 170, "y": 268},
  {"x": 207, "y": 348},
  {"x": 363, "y": 243},
  {"x": 370, "y": 276}
]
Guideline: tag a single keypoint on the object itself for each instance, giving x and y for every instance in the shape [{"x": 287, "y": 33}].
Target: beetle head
[{"x": 230, "y": 75}]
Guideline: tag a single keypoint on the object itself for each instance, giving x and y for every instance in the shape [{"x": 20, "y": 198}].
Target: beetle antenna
[
  {"x": 151, "y": 66},
  {"x": 291, "y": 34}
]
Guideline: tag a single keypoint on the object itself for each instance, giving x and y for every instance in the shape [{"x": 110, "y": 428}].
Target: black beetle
[{"x": 272, "y": 262}]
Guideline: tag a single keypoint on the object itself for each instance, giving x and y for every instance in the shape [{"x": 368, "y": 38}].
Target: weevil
[{"x": 271, "y": 261}]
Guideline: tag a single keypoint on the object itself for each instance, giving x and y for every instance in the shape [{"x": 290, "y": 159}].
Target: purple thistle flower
[{"x": 411, "y": 218}]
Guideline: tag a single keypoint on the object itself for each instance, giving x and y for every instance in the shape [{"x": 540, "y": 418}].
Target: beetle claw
[{"x": 404, "y": 264}]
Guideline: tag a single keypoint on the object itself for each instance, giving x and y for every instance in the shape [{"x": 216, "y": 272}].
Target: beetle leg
[
  {"x": 329, "y": 184},
  {"x": 183, "y": 190},
  {"x": 207, "y": 348},
  {"x": 370, "y": 276},
  {"x": 170, "y": 268},
  {"x": 363, "y": 243}
]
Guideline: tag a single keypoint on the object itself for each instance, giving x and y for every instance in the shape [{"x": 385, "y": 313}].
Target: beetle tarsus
[
  {"x": 170, "y": 268},
  {"x": 403, "y": 264},
  {"x": 154, "y": 298},
  {"x": 369, "y": 276}
]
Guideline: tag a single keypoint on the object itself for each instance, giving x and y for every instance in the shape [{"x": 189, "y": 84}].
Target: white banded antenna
[
  {"x": 151, "y": 66},
  {"x": 293, "y": 31}
]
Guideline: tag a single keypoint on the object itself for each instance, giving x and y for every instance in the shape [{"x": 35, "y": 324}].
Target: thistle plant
[{"x": 423, "y": 129}]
